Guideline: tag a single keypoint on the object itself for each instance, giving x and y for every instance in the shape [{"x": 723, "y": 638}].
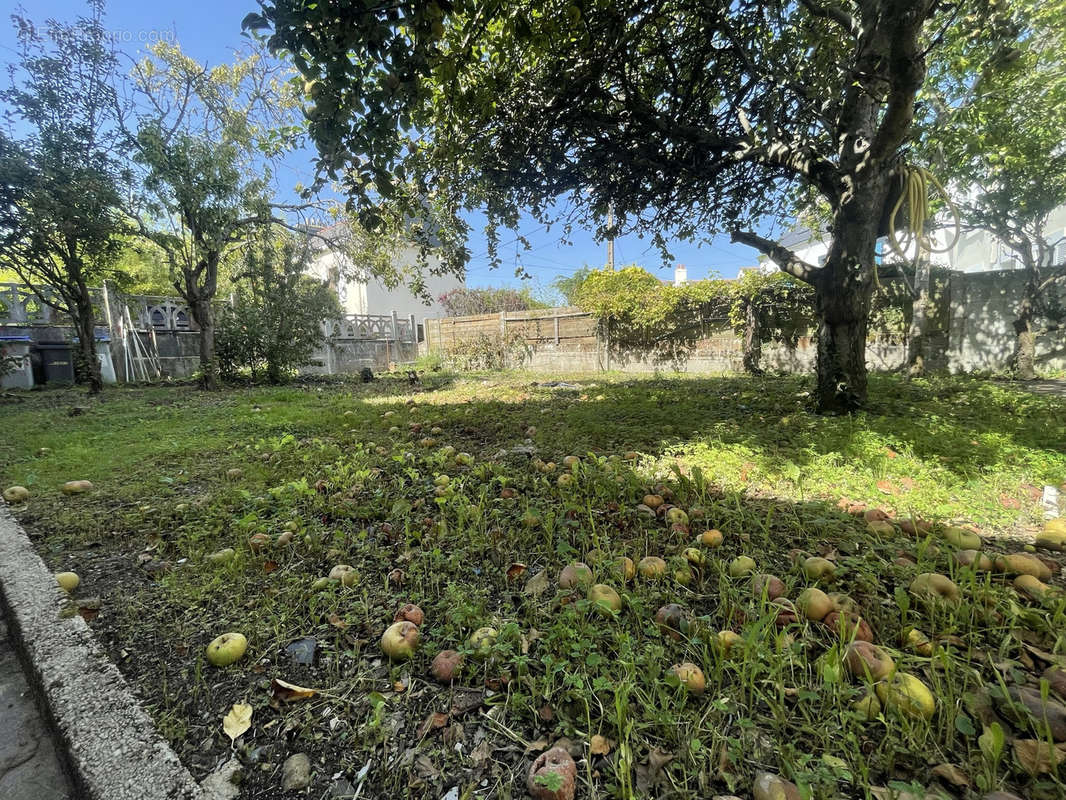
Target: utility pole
[{"x": 610, "y": 237}]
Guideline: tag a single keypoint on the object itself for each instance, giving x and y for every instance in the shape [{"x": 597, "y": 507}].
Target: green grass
[{"x": 771, "y": 476}]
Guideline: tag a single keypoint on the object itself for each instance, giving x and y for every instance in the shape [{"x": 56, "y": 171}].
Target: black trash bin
[{"x": 57, "y": 362}]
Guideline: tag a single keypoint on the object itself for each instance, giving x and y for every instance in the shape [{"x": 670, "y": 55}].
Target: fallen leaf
[
  {"x": 237, "y": 721},
  {"x": 288, "y": 692},
  {"x": 600, "y": 745},
  {"x": 515, "y": 571},
  {"x": 648, "y": 774},
  {"x": 337, "y": 622},
  {"x": 952, "y": 773},
  {"x": 1038, "y": 757},
  {"x": 538, "y": 584},
  {"x": 269, "y": 566},
  {"x": 537, "y": 746},
  {"x": 481, "y": 754},
  {"x": 886, "y": 487},
  {"x": 432, "y": 722}
]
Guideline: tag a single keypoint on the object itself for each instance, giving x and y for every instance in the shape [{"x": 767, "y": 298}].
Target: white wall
[{"x": 372, "y": 297}]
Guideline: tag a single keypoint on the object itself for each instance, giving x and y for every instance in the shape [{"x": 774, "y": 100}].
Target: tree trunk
[
  {"x": 752, "y": 340},
  {"x": 203, "y": 314},
  {"x": 842, "y": 308},
  {"x": 1024, "y": 328},
  {"x": 88, "y": 365}
]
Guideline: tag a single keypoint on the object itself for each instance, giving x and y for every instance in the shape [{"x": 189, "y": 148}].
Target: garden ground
[{"x": 376, "y": 476}]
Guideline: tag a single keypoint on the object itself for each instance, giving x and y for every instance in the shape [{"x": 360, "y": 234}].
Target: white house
[{"x": 365, "y": 294}]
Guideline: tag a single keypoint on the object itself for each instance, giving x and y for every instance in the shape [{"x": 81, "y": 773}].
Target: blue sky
[{"x": 209, "y": 30}]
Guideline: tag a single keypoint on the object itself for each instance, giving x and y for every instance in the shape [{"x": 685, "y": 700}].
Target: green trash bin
[{"x": 57, "y": 362}]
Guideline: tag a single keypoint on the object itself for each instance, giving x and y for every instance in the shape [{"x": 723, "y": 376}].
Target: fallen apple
[
  {"x": 260, "y": 541},
  {"x": 727, "y": 640},
  {"x": 906, "y": 694},
  {"x": 565, "y": 481},
  {"x": 651, "y": 567},
  {"x": 673, "y": 620},
  {"x": 16, "y": 494},
  {"x": 882, "y": 528},
  {"x": 814, "y": 604},
  {"x": 530, "y": 520},
  {"x": 652, "y": 501},
  {"x": 1023, "y": 564},
  {"x": 234, "y": 474},
  {"x": 77, "y": 487},
  {"x": 1035, "y": 589},
  {"x": 571, "y": 461},
  {"x": 1053, "y": 537},
  {"x": 400, "y": 640},
  {"x": 464, "y": 459},
  {"x": 741, "y": 566},
  {"x": 68, "y": 581},
  {"x": 624, "y": 568},
  {"x": 786, "y": 614},
  {"x": 682, "y": 573},
  {"x": 962, "y": 538},
  {"x": 344, "y": 573},
  {"x": 226, "y": 649},
  {"x": 411, "y": 613},
  {"x": 867, "y": 706},
  {"x": 694, "y": 556},
  {"x": 868, "y": 661},
  {"x": 552, "y": 776},
  {"x": 975, "y": 560},
  {"x": 817, "y": 568},
  {"x": 605, "y": 598},
  {"x": 676, "y": 516},
  {"x": 284, "y": 539},
  {"x": 321, "y": 583},
  {"x": 843, "y": 602},
  {"x": 482, "y": 640},
  {"x": 445, "y": 665},
  {"x": 508, "y": 493},
  {"x": 575, "y": 575},
  {"x": 932, "y": 587},
  {"x": 917, "y": 641},
  {"x": 690, "y": 677},
  {"x": 773, "y": 586},
  {"x": 223, "y": 556},
  {"x": 711, "y": 538},
  {"x": 848, "y": 626},
  {"x": 773, "y": 787}
]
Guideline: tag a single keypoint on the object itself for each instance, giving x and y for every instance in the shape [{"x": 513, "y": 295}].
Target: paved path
[{"x": 29, "y": 767}]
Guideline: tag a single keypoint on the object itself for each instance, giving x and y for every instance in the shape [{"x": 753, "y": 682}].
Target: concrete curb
[{"x": 110, "y": 746}]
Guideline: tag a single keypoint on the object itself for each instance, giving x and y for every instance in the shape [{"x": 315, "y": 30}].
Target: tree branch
[
  {"x": 833, "y": 12},
  {"x": 782, "y": 256}
]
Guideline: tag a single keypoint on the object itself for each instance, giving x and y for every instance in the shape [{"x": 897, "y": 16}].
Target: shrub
[
  {"x": 487, "y": 352},
  {"x": 275, "y": 321},
  {"x": 464, "y": 302}
]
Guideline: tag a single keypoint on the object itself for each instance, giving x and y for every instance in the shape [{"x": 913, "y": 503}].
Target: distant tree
[
  {"x": 204, "y": 139},
  {"x": 569, "y": 285},
  {"x": 60, "y": 198},
  {"x": 463, "y": 301},
  {"x": 997, "y": 131},
  {"x": 275, "y": 321}
]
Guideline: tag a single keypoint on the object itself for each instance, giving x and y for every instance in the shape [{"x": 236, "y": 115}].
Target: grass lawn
[{"x": 377, "y": 477}]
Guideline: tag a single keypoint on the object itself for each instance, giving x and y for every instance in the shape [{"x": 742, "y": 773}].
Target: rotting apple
[
  {"x": 867, "y": 660},
  {"x": 445, "y": 665},
  {"x": 575, "y": 575},
  {"x": 482, "y": 640},
  {"x": 689, "y": 676},
  {"x": 411, "y": 613},
  {"x": 344, "y": 573}
]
